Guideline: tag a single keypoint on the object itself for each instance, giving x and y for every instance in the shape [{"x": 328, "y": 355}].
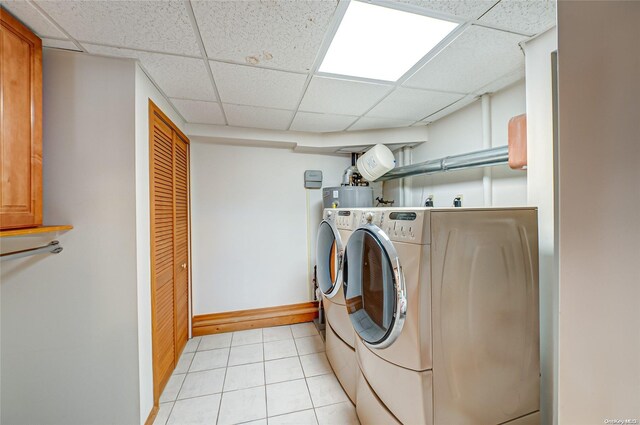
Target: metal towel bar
[{"x": 53, "y": 247}]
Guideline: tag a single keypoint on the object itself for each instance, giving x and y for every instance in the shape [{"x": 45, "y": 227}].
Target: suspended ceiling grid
[{"x": 254, "y": 63}]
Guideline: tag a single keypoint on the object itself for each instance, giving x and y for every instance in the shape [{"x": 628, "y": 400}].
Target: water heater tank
[
  {"x": 347, "y": 197},
  {"x": 376, "y": 162}
]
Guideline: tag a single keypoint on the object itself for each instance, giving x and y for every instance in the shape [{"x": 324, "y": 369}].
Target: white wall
[
  {"x": 598, "y": 204},
  {"x": 145, "y": 90},
  {"x": 461, "y": 132},
  {"x": 69, "y": 334},
  {"x": 540, "y": 192},
  {"x": 249, "y": 226}
]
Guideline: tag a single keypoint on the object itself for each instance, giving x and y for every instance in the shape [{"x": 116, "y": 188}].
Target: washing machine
[
  {"x": 333, "y": 233},
  {"x": 444, "y": 303}
]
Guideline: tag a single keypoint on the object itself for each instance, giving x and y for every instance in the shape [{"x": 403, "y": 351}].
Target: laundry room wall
[
  {"x": 69, "y": 321},
  {"x": 597, "y": 205},
  {"x": 461, "y": 132},
  {"x": 145, "y": 90},
  {"x": 249, "y": 224},
  {"x": 540, "y": 193}
]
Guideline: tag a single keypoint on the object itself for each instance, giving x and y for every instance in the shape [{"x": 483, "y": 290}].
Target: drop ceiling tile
[
  {"x": 177, "y": 76},
  {"x": 60, "y": 44},
  {"x": 504, "y": 81},
  {"x": 466, "y": 9},
  {"x": 197, "y": 112},
  {"x": 246, "y": 85},
  {"x": 474, "y": 59},
  {"x": 412, "y": 104},
  {"x": 32, "y": 18},
  {"x": 467, "y": 100},
  {"x": 256, "y": 117},
  {"x": 372, "y": 123},
  {"x": 162, "y": 26},
  {"x": 332, "y": 95},
  {"x": 321, "y": 123},
  {"x": 278, "y": 34},
  {"x": 526, "y": 17}
]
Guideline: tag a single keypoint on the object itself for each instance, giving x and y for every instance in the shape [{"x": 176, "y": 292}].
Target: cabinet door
[
  {"x": 21, "y": 125},
  {"x": 162, "y": 251},
  {"x": 181, "y": 197}
]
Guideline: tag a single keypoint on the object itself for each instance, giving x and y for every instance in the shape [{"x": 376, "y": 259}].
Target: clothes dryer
[
  {"x": 444, "y": 303},
  {"x": 333, "y": 234}
]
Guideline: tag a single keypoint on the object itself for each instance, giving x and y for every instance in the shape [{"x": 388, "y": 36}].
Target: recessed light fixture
[{"x": 381, "y": 43}]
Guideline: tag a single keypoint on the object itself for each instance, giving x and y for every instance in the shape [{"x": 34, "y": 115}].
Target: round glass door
[
  {"x": 329, "y": 254},
  {"x": 374, "y": 287}
]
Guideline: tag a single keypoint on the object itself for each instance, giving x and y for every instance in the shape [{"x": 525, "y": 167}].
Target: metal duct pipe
[{"x": 484, "y": 158}]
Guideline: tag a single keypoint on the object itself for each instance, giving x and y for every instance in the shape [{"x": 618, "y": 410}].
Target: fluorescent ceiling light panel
[{"x": 381, "y": 43}]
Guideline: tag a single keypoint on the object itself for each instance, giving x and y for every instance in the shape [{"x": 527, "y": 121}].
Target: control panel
[
  {"x": 344, "y": 219},
  {"x": 398, "y": 225}
]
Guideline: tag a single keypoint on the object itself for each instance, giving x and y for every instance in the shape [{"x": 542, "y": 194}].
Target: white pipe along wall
[{"x": 486, "y": 144}]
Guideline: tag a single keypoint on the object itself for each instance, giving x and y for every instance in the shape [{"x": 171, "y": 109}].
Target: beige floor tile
[
  {"x": 197, "y": 384},
  {"x": 244, "y": 354},
  {"x": 250, "y": 336},
  {"x": 192, "y": 345},
  {"x": 242, "y": 406},
  {"x": 210, "y": 359},
  {"x": 286, "y": 397},
  {"x": 304, "y": 329},
  {"x": 325, "y": 390},
  {"x": 195, "y": 411},
  {"x": 309, "y": 345},
  {"x": 305, "y": 417},
  {"x": 338, "y": 414},
  {"x": 172, "y": 388},
  {"x": 184, "y": 363},
  {"x": 244, "y": 376},
  {"x": 277, "y": 333},
  {"x": 315, "y": 364},
  {"x": 281, "y": 370},
  {"x": 279, "y": 349},
  {"x": 211, "y": 342}
]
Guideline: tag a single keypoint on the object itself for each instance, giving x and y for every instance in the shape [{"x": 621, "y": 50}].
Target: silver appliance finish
[
  {"x": 328, "y": 238},
  {"x": 400, "y": 291},
  {"x": 347, "y": 197}
]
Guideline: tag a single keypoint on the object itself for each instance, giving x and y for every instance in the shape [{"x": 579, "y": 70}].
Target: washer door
[
  {"x": 374, "y": 287},
  {"x": 329, "y": 255}
]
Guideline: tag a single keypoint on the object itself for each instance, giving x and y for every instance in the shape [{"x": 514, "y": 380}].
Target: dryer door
[
  {"x": 329, "y": 255},
  {"x": 374, "y": 287}
]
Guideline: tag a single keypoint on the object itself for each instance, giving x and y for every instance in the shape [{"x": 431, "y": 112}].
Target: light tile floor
[{"x": 271, "y": 376}]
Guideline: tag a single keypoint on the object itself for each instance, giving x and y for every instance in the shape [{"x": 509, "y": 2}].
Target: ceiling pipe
[{"x": 483, "y": 158}]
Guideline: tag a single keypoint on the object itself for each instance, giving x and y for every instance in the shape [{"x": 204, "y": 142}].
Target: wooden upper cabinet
[{"x": 21, "y": 125}]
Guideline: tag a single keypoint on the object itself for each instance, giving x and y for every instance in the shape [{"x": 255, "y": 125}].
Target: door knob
[{"x": 184, "y": 266}]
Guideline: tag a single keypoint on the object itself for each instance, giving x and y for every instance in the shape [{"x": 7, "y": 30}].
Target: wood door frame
[{"x": 155, "y": 111}]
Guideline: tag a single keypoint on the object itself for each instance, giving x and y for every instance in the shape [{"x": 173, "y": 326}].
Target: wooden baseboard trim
[
  {"x": 207, "y": 324},
  {"x": 152, "y": 415}
]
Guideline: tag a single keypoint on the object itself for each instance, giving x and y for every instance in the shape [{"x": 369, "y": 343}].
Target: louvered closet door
[
  {"x": 162, "y": 251},
  {"x": 181, "y": 199}
]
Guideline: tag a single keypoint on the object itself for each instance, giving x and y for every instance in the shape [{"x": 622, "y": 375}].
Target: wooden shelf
[{"x": 34, "y": 230}]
